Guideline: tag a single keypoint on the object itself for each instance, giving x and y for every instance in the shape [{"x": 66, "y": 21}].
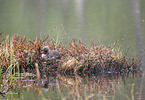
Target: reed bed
[
  {"x": 97, "y": 59},
  {"x": 20, "y": 55}
]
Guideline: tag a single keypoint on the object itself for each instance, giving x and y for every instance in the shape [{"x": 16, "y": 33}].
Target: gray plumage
[{"x": 50, "y": 54}]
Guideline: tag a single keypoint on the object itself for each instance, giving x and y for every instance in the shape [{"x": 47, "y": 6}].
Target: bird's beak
[{"x": 43, "y": 52}]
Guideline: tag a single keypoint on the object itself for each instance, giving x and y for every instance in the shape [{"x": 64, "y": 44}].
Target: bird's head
[{"x": 45, "y": 50}]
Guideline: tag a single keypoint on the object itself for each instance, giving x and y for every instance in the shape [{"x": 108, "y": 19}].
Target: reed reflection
[{"x": 88, "y": 86}]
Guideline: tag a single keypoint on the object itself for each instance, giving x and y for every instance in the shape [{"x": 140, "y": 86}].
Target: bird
[{"x": 50, "y": 54}]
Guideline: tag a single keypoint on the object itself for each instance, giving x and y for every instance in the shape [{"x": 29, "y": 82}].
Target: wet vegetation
[{"x": 20, "y": 59}]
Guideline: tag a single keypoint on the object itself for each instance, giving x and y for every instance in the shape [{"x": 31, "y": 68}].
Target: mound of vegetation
[
  {"x": 21, "y": 58},
  {"x": 21, "y": 54}
]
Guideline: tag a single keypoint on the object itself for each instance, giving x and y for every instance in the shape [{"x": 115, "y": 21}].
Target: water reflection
[
  {"x": 76, "y": 87},
  {"x": 104, "y": 21},
  {"x": 92, "y": 87},
  {"x": 81, "y": 13},
  {"x": 46, "y": 83}
]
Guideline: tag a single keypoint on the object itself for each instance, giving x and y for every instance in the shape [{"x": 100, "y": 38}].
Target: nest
[{"x": 21, "y": 54}]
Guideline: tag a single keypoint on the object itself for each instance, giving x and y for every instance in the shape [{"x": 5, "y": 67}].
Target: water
[
  {"x": 60, "y": 87},
  {"x": 99, "y": 21}
]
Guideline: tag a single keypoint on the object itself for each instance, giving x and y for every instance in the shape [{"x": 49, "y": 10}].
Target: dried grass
[
  {"x": 19, "y": 55},
  {"x": 76, "y": 56}
]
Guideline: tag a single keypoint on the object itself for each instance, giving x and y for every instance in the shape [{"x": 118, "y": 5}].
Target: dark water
[{"x": 99, "y": 21}]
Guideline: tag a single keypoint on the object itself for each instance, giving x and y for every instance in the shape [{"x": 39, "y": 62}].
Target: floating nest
[{"x": 21, "y": 54}]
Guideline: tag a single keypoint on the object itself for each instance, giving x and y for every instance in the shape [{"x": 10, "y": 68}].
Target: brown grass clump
[
  {"x": 19, "y": 50},
  {"x": 21, "y": 54},
  {"x": 96, "y": 59}
]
